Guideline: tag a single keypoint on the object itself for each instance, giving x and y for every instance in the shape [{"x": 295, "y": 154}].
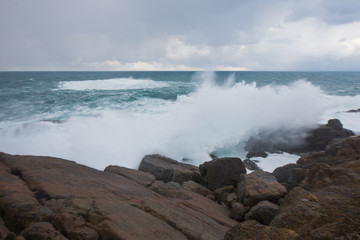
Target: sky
[{"x": 228, "y": 35}]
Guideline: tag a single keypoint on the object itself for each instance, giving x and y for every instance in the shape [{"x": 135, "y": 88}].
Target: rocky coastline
[{"x": 316, "y": 198}]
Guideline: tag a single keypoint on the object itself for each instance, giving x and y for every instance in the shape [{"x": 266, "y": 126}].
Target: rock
[
  {"x": 83, "y": 203},
  {"x": 238, "y": 211},
  {"x": 354, "y": 111},
  {"x": 169, "y": 170},
  {"x": 256, "y": 154},
  {"x": 263, "y": 212},
  {"x": 222, "y": 193},
  {"x": 298, "y": 141},
  {"x": 169, "y": 190},
  {"x": 230, "y": 199},
  {"x": 252, "y": 230},
  {"x": 196, "y": 187},
  {"x": 290, "y": 175},
  {"x": 327, "y": 203},
  {"x": 259, "y": 186},
  {"x": 221, "y": 172},
  {"x": 142, "y": 178},
  {"x": 4, "y": 231},
  {"x": 43, "y": 231},
  {"x": 251, "y": 165}
]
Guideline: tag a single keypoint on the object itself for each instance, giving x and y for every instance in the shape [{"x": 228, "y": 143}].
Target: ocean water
[{"x": 103, "y": 118}]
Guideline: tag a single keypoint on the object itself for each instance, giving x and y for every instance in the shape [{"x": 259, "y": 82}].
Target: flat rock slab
[
  {"x": 142, "y": 178},
  {"x": 259, "y": 186},
  {"x": 79, "y": 201},
  {"x": 169, "y": 170}
]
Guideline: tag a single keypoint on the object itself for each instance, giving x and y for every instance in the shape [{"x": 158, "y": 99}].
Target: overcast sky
[{"x": 179, "y": 35}]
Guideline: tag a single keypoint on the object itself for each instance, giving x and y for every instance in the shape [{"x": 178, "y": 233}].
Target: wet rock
[
  {"x": 263, "y": 212},
  {"x": 196, "y": 187},
  {"x": 43, "y": 231},
  {"x": 251, "y": 165},
  {"x": 221, "y": 172},
  {"x": 259, "y": 186},
  {"x": 290, "y": 175},
  {"x": 142, "y": 178},
  {"x": 238, "y": 211},
  {"x": 256, "y": 154},
  {"x": 252, "y": 230},
  {"x": 169, "y": 170},
  {"x": 222, "y": 193}
]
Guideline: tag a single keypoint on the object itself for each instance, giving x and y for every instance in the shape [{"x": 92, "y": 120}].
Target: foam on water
[
  {"x": 209, "y": 119},
  {"x": 111, "y": 84}
]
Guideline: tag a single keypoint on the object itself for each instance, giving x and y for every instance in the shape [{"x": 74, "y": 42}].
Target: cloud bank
[{"x": 182, "y": 35}]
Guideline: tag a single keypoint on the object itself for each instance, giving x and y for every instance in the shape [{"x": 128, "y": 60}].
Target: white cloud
[{"x": 177, "y": 49}]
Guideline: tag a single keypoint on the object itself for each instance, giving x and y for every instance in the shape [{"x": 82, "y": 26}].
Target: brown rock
[
  {"x": 42, "y": 231},
  {"x": 4, "y": 231},
  {"x": 222, "y": 193},
  {"x": 196, "y": 187},
  {"x": 290, "y": 175},
  {"x": 230, "y": 199},
  {"x": 169, "y": 170},
  {"x": 252, "y": 230},
  {"x": 142, "y": 178},
  {"x": 259, "y": 186},
  {"x": 238, "y": 211},
  {"x": 221, "y": 172},
  {"x": 109, "y": 205},
  {"x": 263, "y": 212}
]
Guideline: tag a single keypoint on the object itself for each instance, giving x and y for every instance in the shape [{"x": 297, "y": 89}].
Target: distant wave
[{"x": 111, "y": 84}]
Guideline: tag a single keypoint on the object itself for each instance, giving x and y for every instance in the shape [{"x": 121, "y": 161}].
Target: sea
[{"x": 115, "y": 118}]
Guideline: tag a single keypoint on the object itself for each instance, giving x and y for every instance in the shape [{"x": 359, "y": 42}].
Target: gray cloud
[{"x": 161, "y": 34}]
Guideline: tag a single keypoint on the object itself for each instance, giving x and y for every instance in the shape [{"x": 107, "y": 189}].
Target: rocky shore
[{"x": 316, "y": 198}]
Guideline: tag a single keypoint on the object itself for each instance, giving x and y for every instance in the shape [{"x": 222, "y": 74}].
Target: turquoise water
[{"x": 120, "y": 116}]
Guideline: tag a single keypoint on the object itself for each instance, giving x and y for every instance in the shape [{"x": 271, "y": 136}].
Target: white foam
[
  {"x": 207, "y": 120},
  {"x": 111, "y": 84},
  {"x": 275, "y": 160}
]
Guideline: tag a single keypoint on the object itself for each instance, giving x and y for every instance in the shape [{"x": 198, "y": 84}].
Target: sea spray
[{"x": 211, "y": 118}]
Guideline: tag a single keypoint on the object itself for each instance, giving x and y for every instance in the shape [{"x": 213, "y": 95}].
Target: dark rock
[
  {"x": 298, "y": 140},
  {"x": 169, "y": 170},
  {"x": 222, "y": 193},
  {"x": 88, "y": 203},
  {"x": 290, "y": 175},
  {"x": 251, "y": 165},
  {"x": 44, "y": 231},
  {"x": 256, "y": 154},
  {"x": 213, "y": 156},
  {"x": 142, "y": 178},
  {"x": 196, "y": 187},
  {"x": 238, "y": 211},
  {"x": 4, "y": 231},
  {"x": 354, "y": 110},
  {"x": 252, "y": 230},
  {"x": 221, "y": 172},
  {"x": 259, "y": 186},
  {"x": 263, "y": 212}
]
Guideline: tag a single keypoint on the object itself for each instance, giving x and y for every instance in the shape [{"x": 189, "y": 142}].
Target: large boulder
[
  {"x": 83, "y": 203},
  {"x": 221, "y": 172},
  {"x": 263, "y": 212},
  {"x": 259, "y": 186},
  {"x": 169, "y": 170},
  {"x": 290, "y": 175},
  {"x": 252, "y": 230}
]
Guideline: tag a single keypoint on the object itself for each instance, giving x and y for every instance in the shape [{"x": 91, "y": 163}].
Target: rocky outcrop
[
  {"x": 142, "y": 178},
  {"x": 263, "y": 212},
  {"x": 251, "y": 165},
  {"x": 252, "y": 230},
  {"x": 259, "y": 186},
  {"x": 44, "y": 198},
  {"x": 221, "y": 172},
  {"x": 299, "y": 141},
  {"x": 169, "y": 170}
]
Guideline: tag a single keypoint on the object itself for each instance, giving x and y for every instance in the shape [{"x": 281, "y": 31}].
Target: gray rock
[
  {"x": 142, "y": 178},
  {"x": 263, "y": 212},
  {"x": 169, "y": 170},
  {"x": 221, "y": 172},
  {"x": 256, "y": 154},
  {"x": 259, "y": 186},
  {"x": 290, "y": 175},
  {"x": 251, "y": 165}
]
